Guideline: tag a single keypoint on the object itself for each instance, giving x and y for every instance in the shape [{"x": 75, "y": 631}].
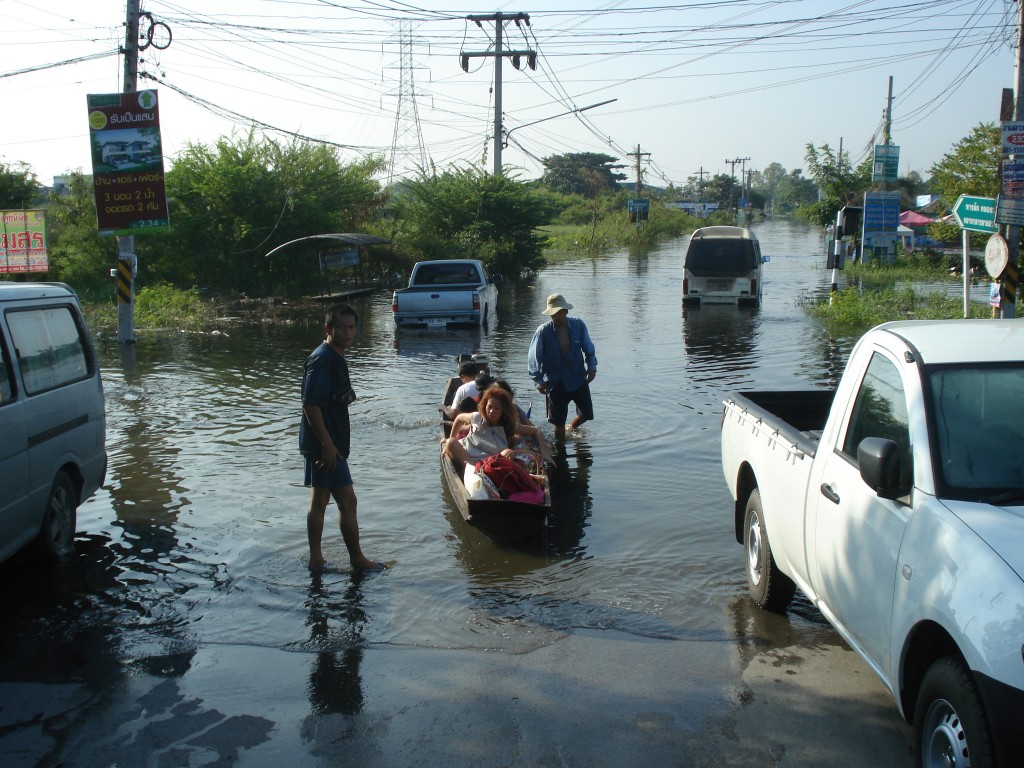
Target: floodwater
[{"x": 187, "y": 629}]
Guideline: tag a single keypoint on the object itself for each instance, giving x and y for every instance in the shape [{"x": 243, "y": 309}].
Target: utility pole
[
  {"x": 888, "y": 115},
  {"x": 126, "y": 259},
  {"x": 732, "y": 174},
  {"x": 498, "y": 54},
  {"x": 700, "y": 181},
  {"x": 639, "y": 175}
]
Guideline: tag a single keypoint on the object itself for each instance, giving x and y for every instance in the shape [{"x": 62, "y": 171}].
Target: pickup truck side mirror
[
  {"x": 495, "y": 279},
  {"x": 879, "y": 462}
]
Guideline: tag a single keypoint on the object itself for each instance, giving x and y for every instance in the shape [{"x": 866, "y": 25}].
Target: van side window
[{"x": 49, "y": 345}]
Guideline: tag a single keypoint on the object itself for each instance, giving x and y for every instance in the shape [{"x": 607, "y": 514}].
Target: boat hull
[{"x": 504, "y": 521}]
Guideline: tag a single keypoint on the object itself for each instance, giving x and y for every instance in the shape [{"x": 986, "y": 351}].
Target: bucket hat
[{"x": 556, "y": 302}]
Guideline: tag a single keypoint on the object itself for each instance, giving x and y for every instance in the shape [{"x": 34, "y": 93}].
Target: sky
[{"x": 705, "y": 87}]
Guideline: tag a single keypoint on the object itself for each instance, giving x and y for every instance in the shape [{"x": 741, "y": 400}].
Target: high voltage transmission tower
[{"x": 407, "y": 118}]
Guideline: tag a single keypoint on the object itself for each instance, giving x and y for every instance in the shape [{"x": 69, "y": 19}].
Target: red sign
[
  {"x": 127, "y": 163},
  {"x": 23, "y": 242}
]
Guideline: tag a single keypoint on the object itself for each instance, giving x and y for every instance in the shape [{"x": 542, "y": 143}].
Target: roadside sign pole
[
  {"x": 967, "y": 273},
  {"x": 974, "y": 214},
  {"x": 126, "y": 245}
]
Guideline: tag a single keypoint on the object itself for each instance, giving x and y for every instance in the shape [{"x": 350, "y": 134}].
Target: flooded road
[{"x": 188, "y": 631}]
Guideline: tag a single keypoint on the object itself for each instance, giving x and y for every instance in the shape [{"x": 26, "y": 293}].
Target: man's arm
[
  {"x": 329, "y": 454},
  {"x": 535, "y": 357},
  {"x": 589, "y": 352}
]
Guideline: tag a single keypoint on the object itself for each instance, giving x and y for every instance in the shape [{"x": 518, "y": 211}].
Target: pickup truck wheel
[
  {"x": 57, "y": 534},
  {"x": 769, "y": 587},
  {"x": 950, "y": 728}
]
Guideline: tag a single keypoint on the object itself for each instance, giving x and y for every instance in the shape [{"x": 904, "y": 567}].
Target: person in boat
[
  {"x": 468, "y": 403},
  {"x": 562, "y": 361},
  {"x": 524, "y": 417},
  {"x": 492, "y": 428},
  {"x": 467, "y": 372}
]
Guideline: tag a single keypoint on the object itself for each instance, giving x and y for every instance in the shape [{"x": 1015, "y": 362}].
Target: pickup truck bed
[{"x": 797, "y": 416}]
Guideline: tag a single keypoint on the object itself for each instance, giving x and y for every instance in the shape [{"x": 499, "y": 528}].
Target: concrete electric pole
[
  {"x": 498, "y": 54},
  {"x": 126, "y": 259},
  {"x": 639, "y": 174}
]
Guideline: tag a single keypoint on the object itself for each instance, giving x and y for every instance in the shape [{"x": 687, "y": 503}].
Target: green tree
[
  {"x": 78, "y": 255},
  {"x": 466, "y": 213},
  {"x": 582, "y": 173},
  {"x": 793, "y": 191},
  {"x": 970, "y": 168},
  {"x": 839, "y": 183},
  {"x": 910, "y": 186},
  {"x": 723, "y": 189},
  {"x": 18, "y": 186},
  {"x": 233, "y": 202}
]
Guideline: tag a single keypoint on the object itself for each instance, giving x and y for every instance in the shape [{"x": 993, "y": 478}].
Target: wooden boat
[{"x": 504, "y": 521}]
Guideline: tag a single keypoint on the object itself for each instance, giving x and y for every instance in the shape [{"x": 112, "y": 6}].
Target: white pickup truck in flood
[
  {"x": 450, "y": 292},
  {"x": 896, "y": 505}
]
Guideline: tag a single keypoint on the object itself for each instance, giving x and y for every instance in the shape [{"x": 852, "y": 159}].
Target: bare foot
[
  {"x": 317, "y": 564},
  {"x": 369, "y": 565}
]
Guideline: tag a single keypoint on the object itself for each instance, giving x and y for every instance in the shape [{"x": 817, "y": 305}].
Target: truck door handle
[{"x": 828, "y": 493}]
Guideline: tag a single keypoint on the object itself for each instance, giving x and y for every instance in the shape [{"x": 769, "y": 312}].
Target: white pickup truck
[
  {"x": 896, "y": 505},
  {"x": 446, "y": 293}
]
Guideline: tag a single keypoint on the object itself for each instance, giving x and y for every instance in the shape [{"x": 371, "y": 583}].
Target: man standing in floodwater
[
  {"x": 563, "y": 362},
  {"x": 324, "y": 438}
]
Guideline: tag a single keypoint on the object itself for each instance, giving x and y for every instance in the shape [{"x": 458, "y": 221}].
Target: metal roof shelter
[{"x": 336, "y": 258}]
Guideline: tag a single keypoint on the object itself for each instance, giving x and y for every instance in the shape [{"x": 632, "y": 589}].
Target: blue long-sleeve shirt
[{"x": 545, "y": 361}]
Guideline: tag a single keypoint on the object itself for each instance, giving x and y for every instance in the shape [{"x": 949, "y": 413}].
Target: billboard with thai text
[
  {"x": 127, "y": 162},
  {"x": 23, "y": 242}
]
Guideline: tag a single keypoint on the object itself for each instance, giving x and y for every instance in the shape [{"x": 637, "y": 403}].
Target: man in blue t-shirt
[
  {"x": 324, "y": 438},
  {"x": 563, "y": 362}
]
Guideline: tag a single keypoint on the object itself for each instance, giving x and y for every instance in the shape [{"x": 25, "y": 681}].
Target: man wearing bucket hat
[{"x": 563, "y": 362}]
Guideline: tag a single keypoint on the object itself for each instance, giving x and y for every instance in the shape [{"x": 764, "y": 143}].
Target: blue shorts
[
  {"x": 558, "y": 403},
  {"x": 321, "y": 478}
]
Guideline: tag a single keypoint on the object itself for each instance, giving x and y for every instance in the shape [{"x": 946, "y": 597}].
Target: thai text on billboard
[
  {"x": 23, "y": 242},
  {"x": 127, "y": 162}
]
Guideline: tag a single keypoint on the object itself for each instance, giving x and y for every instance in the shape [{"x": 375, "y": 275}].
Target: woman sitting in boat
[{"x": 492, "y": 428}]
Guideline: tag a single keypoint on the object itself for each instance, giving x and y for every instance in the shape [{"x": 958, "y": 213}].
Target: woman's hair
[
  {"x": 505, "y": 385},
  {"x": 509, "y": 417}
]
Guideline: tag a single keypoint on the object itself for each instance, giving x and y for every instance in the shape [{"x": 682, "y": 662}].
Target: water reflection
[
  {"x": 485, "y": 562},
  {"x": 571, "y": 502},
  {"x": 336, "y": 626},
  {"x": 638, "y": 259},
  {"x": 721, "y": 335}
]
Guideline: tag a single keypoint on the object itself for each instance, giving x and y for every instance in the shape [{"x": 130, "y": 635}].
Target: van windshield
[{"x": 721, "y": 257}]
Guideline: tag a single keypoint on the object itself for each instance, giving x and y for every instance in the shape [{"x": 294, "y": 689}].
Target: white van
[
  {"x": 52, "y": 417},
  {"x": 723, "y": 266}
]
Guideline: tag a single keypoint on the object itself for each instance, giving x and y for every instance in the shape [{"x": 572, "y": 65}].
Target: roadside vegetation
[
  {"x": 233, "y": 202},
  {"x": 863, "y": 308}
]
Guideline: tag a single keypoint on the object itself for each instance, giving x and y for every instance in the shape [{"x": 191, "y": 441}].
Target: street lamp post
[{"x": 508, "y": 133}]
